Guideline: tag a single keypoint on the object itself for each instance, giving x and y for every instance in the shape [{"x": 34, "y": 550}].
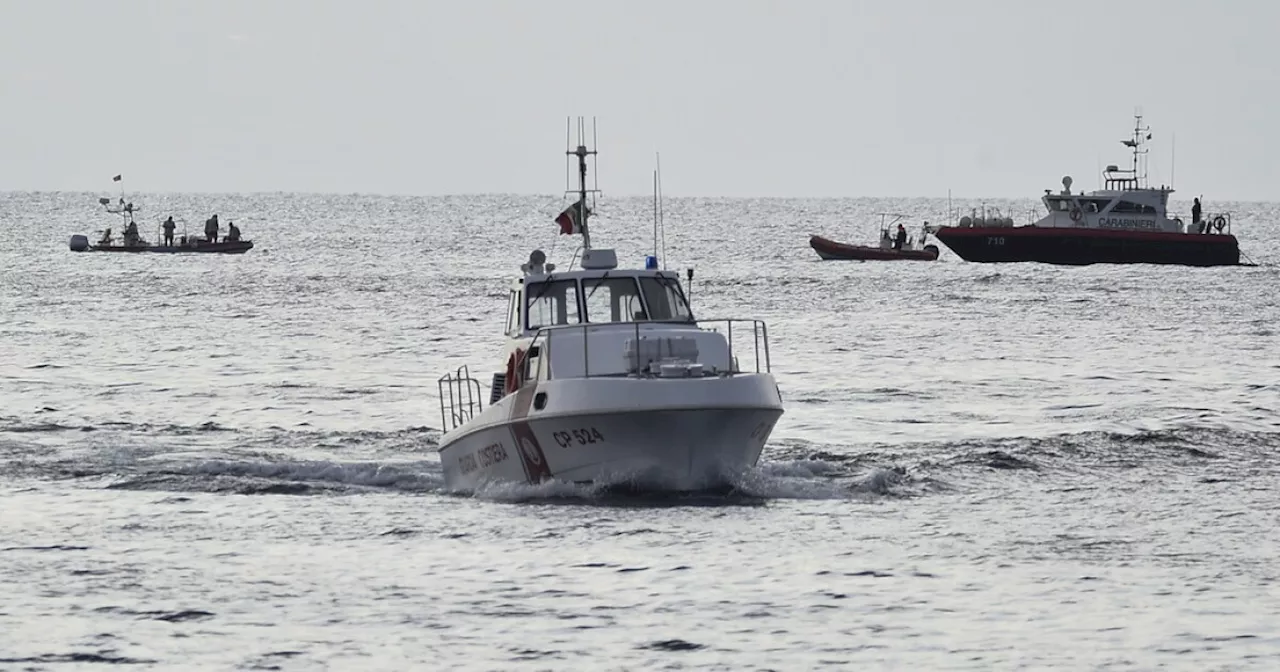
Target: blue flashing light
[{"x": 650, "y": 262}]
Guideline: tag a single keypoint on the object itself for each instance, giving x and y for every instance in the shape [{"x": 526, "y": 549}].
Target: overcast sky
[{"x": 741, "y": 97}]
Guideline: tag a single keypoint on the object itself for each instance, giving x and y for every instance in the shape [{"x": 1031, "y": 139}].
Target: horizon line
[{"x": 665, "y": 196}]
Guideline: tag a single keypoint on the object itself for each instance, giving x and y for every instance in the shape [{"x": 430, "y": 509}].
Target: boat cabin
[
  {"x": 602, "y": 321},
  {"x": 1121, "y": 205},
  {"x": 600, "y": 293}
]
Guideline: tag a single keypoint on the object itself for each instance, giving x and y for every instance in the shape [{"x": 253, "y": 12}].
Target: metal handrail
[
  {"x": 1209, "y": 219},
  {"x": 463, "y": 400},
  {"x": 760, "y": 340}
]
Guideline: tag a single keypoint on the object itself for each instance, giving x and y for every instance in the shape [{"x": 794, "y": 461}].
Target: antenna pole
[
  {"x": 1173, "y": 151},
  {"x": 662, "y": 220},
  {"x": 655, "y": 213},
  {"x": 582, "y": 195}
]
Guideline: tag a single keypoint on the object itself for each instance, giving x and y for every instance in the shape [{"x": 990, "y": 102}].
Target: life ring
[
  {"x": 514, "y": 363},
  {"x": 1219, "y": 223},
  {"x": 1076, "y": 214}
]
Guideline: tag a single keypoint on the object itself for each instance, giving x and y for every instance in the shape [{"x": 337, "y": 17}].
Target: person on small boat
[
  {"x": 168, "y": 231},
  {"x": 901, "y": 238},
  {"x": 131, "y": 234},
  {"x": 106, "y": 238},
  {"x": 211, "y": 229},
  {"x": 233, "y": 232}
]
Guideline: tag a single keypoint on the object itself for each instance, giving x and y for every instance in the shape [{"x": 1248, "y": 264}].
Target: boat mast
[
  {"x": 582, "y": 153},
  {"x": 1136, "y": 144}
]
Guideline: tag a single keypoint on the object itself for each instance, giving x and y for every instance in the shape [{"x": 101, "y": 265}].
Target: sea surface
[{"x": 228, "y": 462}]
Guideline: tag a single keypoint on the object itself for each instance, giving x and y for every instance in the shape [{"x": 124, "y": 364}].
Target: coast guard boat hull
[
  {"x": 597, "y": 434},
  {"x": 1056, "y": 245}
]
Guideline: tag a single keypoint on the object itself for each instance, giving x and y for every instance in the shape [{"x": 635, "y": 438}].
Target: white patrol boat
[
  {"x": 609, "y": 379},
  {"x": 1125, "y": 222}
]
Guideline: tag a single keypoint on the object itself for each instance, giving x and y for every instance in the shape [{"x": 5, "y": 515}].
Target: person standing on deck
[
  {"x": 1195, "y": 215},
  {"x": 211, "y": 229},
  {"x": 131, "y": 234},
  {"x": 901, "y": 238},
  {"x": 168, "y": 231}
]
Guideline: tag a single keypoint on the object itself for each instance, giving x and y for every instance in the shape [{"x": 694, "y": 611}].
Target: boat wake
[{"x": 221, "y": 460}]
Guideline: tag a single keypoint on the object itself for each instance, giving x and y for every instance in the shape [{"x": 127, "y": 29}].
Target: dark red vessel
[{"x": 910, "y": 249}]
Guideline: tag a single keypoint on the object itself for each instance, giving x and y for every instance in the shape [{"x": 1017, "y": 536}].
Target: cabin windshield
[
  {"x": 665, "y": 300},
  {"x": 552, "y": 303},
  {"x": 612, "y": 299}
]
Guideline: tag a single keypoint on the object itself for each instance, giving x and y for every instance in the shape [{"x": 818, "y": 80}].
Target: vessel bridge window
[
  {"x": 1086, "y": 204},
  {"x": 612, "y": 299},
  {"x": 665, "y": 300},
  {"x": 552, "y": 303},
  {"x": 1128, "y": 207}
]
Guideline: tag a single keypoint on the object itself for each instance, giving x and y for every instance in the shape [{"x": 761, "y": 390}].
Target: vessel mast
[
  {"x": 1136, "y": 144},
  {"x": 582, "y": 153}
]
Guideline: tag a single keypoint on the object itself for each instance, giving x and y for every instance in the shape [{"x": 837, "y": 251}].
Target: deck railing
[
  {"x": 460, "y": 398},
  {"x": 1211, "y": 222},
  {"x": 735, "y": 330}
]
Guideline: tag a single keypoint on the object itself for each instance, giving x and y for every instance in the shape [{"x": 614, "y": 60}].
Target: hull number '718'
[
  {"x": 995, "y": 240},
  {"x": 581, "y": 436}
]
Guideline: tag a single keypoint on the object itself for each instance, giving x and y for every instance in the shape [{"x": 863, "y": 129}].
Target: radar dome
[
  {"x": 537, "y": 258},
  {"x": 1066, "y": 182},
  {"x": 966, "y": 221}
]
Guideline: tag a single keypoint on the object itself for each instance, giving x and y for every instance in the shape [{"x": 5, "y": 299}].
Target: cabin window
[
  {"x": 552, "y": 303},
  {"x": 513, "y": 312},
  {"x": 1128, "y": 207},
  {"x": 612, "y": 300},
  {"x": 665, "y": 300}
]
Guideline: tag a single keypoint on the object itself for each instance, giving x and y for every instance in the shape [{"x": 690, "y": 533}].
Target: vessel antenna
[
  {"x": 662, "y": 220},
  {"x": 655, "y": 213},
  {"x": 1173, "y": 157}
]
